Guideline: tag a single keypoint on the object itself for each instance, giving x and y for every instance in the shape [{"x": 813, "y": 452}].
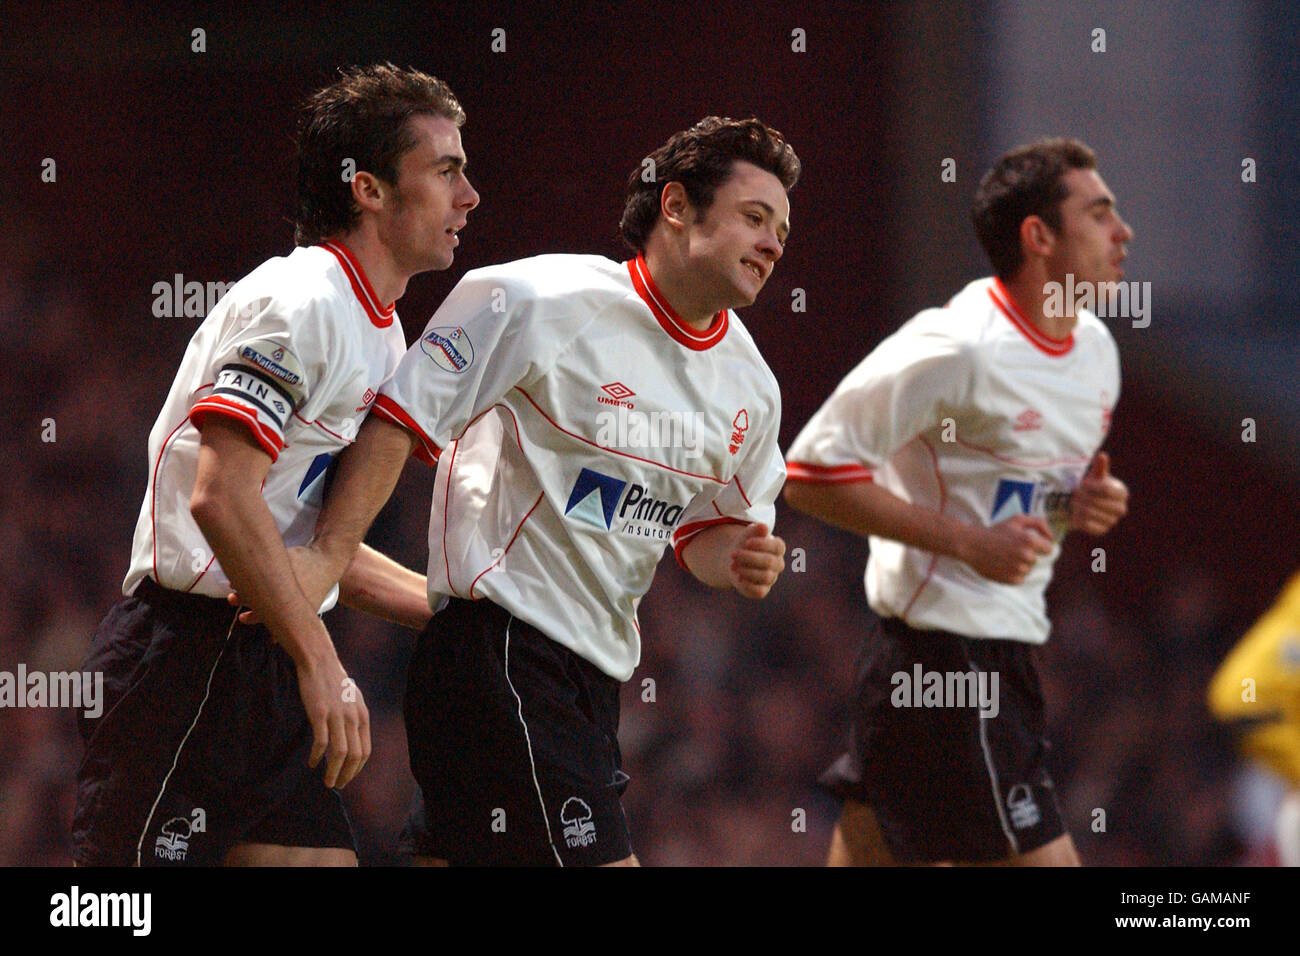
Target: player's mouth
[
  {"x": 760, "y": 273},
  {"x": 453, "y": 230}
]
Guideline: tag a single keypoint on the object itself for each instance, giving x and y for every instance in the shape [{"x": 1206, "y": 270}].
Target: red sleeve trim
[
  {"x": 425, "y": 449},
  {"x": 270, "y": 441},
  {"x": 687, "y": 533},
  {"x": 826, "y": 474}
]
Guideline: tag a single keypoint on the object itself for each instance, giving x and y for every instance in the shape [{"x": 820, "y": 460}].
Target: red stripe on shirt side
[
  {"x": 153, "y": 496},
  {"x": 446, "y": 514},
  {"x": 502, "y": 555},
  {"x": 741, "y": 489},
  {"x": 321, "y": 427},
  {"x": 934, "y": 558}
]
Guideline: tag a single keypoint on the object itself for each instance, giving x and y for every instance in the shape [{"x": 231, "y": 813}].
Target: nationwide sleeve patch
[
  {"x": 278, "y": 364},
  {"x": 450, "y": 348}
]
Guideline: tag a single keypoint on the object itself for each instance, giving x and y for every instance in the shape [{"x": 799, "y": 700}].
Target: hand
[
  {"x": 1007, "y": 551},
  {"x": 757, "y": 562},
  {"x": 1100, "y": 500},
  {"x": 315, "y": 579},
  {"x": 340, "y": 723}
]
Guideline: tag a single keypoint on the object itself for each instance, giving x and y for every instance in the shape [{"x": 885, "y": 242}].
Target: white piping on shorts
[
  {"x": 532, "y": 764},
  {"x": 177, "y": 756},
  {"x": 993, "y": 777}
]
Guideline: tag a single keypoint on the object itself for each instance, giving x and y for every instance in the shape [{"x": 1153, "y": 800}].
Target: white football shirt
[
  {"x": 296, "y": 351},
  {"x": 973, "y": 412},
  {"x": 580, "y": 426}
]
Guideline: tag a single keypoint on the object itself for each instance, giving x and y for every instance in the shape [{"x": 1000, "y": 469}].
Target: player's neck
[
  {"x": 383, "y": 274},
  {"x": 1029, "y": 294},
  {"x": 672, "y": 278}
]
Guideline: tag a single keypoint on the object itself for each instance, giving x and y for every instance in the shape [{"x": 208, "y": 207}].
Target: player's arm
[
  {"x": 367, "y": 473},
  {"x": 379, "y": 586},
  {"x": 746, "y": 557},
  {"x": 228, "y": 506},
  {"x": 1004, "y": 552}
]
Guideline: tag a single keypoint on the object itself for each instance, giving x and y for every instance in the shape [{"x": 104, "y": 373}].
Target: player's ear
[
  {"x": 1036, "y": 237},
  {"x": 368, "y": 191},
  {"x": 675, "y": 206}
]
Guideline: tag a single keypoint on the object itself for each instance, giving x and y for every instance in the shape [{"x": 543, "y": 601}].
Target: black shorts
[
  {"x": 514, "y": 743},
  {"x": 202, "y": 742},
  {"x": 944, "y": 782}
]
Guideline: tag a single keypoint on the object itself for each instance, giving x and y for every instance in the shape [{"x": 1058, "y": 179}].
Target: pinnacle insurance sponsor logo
[
  {"x": 1014, "y": 497},
  {"x": 612, "y": 504}
]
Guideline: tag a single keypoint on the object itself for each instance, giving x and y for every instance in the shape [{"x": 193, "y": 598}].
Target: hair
[
  {"x": 701, "y": 159},
  {"x": 1028, "y": 181},
  {"x": 363, "y": 117}
]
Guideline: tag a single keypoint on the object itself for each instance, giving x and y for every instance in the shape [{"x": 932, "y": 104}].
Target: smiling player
[
  {"x": 547, "y": 523},
  {"x": 966, "y": 446},
  {"x": 202, "y": 754}
]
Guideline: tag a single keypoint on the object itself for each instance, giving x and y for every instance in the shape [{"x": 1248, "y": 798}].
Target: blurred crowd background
[{"x": 174, "y": 161}]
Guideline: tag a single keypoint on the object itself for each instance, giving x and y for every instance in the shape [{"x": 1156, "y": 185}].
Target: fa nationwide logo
[
  {"x": 449, "y": 347},
  {"x": 596, "y": 500}
]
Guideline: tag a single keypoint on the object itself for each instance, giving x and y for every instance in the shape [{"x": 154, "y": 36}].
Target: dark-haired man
[
  {"x": 966, "y": 446},
  {"x": 583, "y": 413},
  {"x": 211, "y": 727}
]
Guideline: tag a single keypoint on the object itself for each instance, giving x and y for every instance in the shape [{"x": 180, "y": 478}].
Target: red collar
[
  {"x": 1040, "y": 340},
  {"x": 671, "y": 322},
  {"x": 381, "y": 316}
]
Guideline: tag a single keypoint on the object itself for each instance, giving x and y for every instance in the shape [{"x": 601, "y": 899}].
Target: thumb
[
  {"x": 757, "y": 530},
  {"x": 1100, "y": 467}
]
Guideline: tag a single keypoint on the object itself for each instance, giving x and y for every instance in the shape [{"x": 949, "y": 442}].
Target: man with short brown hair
[
  {"x": 210, "y": 726},
  {"x": 966, "y": 446}
]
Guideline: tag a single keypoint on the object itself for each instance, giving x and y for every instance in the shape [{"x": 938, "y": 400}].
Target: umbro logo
[
  {"x": 616, "y": 393},
  {"x": 1028, "y": 421}
]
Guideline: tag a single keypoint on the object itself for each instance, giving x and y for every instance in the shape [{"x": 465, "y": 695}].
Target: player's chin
[{"x": 743, "y": 295}]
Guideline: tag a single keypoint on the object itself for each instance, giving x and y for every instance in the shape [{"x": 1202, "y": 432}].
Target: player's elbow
[
  {"x": 210, "y": 503},
  {"x": 800, "y": 495}
]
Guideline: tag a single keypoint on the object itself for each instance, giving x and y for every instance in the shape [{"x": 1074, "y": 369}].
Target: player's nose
[
  {"x": 770, "y": 246},
  {"x": 470, "y": 197},
  {"x": 1125, "y": 232}
]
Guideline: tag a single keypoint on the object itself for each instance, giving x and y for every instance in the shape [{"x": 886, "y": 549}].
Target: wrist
[
  {"x": 311, "y": 649},
  {"x": 964, "y": 537}
]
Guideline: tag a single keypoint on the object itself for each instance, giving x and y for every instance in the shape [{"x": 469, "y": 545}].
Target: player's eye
[{"x": 754, "y": 218}]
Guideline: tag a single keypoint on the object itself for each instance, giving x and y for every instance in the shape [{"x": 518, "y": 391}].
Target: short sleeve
[
  {"x": 904, "y": 387},
  {"x": 490, "y": 334},
  {"x": 751, "y": 494},
  {"x": 264, "y": 366}
]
